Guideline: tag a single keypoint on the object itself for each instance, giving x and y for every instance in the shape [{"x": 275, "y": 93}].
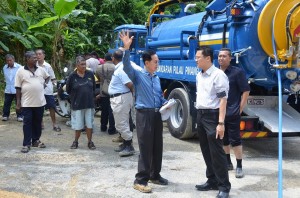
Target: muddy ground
[{"x": 58, "y": 171}]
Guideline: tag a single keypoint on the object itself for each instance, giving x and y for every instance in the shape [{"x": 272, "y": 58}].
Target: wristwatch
[{"x": 220, "y": 123}]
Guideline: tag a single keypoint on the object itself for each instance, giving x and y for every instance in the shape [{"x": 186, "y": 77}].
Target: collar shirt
[
  {"x": 81, "y": 90},
  {"x": 237, "y": 85},
  {"x": 47, "y": 67},
  {"x": 9, "y": 75},
  {"x": 32, "y": 86},
  {"x": 148, "y": 93},
  {"x": 211, "y": 86},
  {"x": 118, "y": 81}
]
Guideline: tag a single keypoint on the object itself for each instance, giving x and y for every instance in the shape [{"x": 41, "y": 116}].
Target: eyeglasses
[{"x": 197, "y": 58}]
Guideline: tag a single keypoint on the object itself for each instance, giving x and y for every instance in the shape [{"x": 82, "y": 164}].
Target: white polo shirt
[
  {"x": 47, "y": 67},
  {"x": 32, "y": 86},
  {"x": 211, "y": 86}
]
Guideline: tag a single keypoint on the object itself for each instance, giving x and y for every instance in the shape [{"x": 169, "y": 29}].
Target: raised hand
[{"x": 124, "y": 36}]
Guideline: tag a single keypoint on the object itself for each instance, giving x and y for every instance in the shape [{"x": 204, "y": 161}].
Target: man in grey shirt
[{"x": 105, "y": 72}]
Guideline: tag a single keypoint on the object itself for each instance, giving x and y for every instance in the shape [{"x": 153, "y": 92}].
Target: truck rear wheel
[{"x": 180, "y": 121}]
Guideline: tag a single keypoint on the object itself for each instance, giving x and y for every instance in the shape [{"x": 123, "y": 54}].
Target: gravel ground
[{"x": 58, "y": 171}]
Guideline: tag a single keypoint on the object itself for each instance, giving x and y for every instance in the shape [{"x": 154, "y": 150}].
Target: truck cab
[{"x": 139, "y": 42}]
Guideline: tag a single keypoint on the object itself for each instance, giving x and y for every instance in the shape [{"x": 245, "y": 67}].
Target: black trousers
[
  {"x": 149, "y": 133},
  {"x": 32, "y": 128},
  {"x": 107, "y": 115},
  {"x": 212, "y": 150}
]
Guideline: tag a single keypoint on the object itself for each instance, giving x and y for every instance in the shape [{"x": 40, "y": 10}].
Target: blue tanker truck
[{"x": 264, "y": 37}]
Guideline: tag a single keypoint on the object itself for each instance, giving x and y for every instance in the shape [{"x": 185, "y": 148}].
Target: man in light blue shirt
[
  {"x": 9, "y": 70},
  {"x": 120, "y": 90},
  {"x": 149, "y": 127}
]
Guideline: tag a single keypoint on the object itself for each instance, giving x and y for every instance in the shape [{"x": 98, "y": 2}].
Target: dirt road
[{"x": 58, "y": 171}]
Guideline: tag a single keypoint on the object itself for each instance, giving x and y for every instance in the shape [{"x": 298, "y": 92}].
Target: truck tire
[{"x": 180, "y": 120}]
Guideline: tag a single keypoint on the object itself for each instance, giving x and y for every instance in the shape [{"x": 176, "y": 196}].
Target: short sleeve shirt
[
  {"x": 237, "y": 85},
  {"x": 211, "y": 85},
  {"x": 49, "y": 70},
  {"x": 81, "y": 90},
  {"x": 118, "y": 81},
  {"x": 32, "y": 86}
]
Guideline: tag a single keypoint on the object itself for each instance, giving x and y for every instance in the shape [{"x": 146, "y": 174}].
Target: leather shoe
[
  {"x": 222, "y": 194},
  {"x": 229, "y": 166},
  {"x": 159, "y": 181},
  {"x": 239, "y": 173},
  {"x": 207, "y": 186}
]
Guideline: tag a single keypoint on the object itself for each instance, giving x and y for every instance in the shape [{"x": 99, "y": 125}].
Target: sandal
[
  {"x": 57, "y": 129},
  {"x": 25, "y": 149},
  {"x": 38, "y": 144},
  {"x": 74, "y": 145}
]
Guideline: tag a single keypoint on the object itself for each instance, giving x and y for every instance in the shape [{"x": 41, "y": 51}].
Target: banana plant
[
  {"x": 61, "y": 12},
  {"x": 15, "y": 35}
]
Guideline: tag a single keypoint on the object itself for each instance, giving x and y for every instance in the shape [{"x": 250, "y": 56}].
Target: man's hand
[
  {"x": 220, "y": 131},
  {"x": 124, "y": 36},
  {"x": 18, "y": 107}
]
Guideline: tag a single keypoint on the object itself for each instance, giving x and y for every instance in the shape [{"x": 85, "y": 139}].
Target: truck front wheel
[{"x": 180, "y": 121}]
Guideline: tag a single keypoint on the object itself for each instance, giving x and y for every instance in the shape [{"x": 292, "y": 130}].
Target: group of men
[
  {"x": 221, "y": 95},
  {"x": 32, "y": 88}
]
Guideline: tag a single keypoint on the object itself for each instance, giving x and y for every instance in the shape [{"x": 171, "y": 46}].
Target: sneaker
[
  {"x": 142, "y": 188},
  {"x": 120, "y": 147},
  {"x": 127, "y": 151},
  {"x": 159, "y": 181},
  {"x": 4, "y": 118},
  {"x": 91, "y": 145},
  {"x": 239, "y": 173},
  {"x": 118, "y": 139},
  {"x": 20, "y": 119},
  {"x": 25, "y": 149},
  {"x": 229, "y": 166},
  {"x": 74, "y": 145}
]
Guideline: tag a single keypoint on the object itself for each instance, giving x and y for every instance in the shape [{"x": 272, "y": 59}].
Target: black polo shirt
[{"x": 237, "y": 85}]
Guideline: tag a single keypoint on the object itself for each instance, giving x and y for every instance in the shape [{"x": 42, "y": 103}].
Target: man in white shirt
[
  {"x": 212, "y": 91},
  {"x": 40, "y": 54}
]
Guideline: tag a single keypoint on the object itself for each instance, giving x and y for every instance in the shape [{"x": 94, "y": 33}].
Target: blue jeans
[
  {"x": 7, "y": 104},
  {"x": 32, "y": 124}
]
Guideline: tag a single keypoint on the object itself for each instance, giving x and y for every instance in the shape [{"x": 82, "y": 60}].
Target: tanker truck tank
[
  {"x": 264, "y": 37},
  {"x": 238, "y": 25}
]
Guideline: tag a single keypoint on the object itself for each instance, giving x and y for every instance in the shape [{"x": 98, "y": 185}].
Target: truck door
[{"x": 138, "y": 46}]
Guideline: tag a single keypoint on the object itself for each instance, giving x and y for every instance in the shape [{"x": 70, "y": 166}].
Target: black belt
[
  {"x": 149, "y": 109},
  {"x": 118, "y": 94},
  {"x": 208, "y": 110}
]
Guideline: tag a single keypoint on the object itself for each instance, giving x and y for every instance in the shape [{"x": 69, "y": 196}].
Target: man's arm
[
  {"x": 130, "y": 86},
  {"x": 244, "y": 100},
  {"x": 18, "y": 97},
  {"x": 127, "y": 67},
  {"x": 222, "y": 113}
]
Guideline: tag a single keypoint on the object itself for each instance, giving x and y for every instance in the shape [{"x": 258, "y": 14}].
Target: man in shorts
[
  {"x": 50, "y": 102},
  {"x": 81, "y": 88}
]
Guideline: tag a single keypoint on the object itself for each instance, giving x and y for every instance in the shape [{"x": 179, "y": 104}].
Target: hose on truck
[{"x": 279, "y": 117}]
